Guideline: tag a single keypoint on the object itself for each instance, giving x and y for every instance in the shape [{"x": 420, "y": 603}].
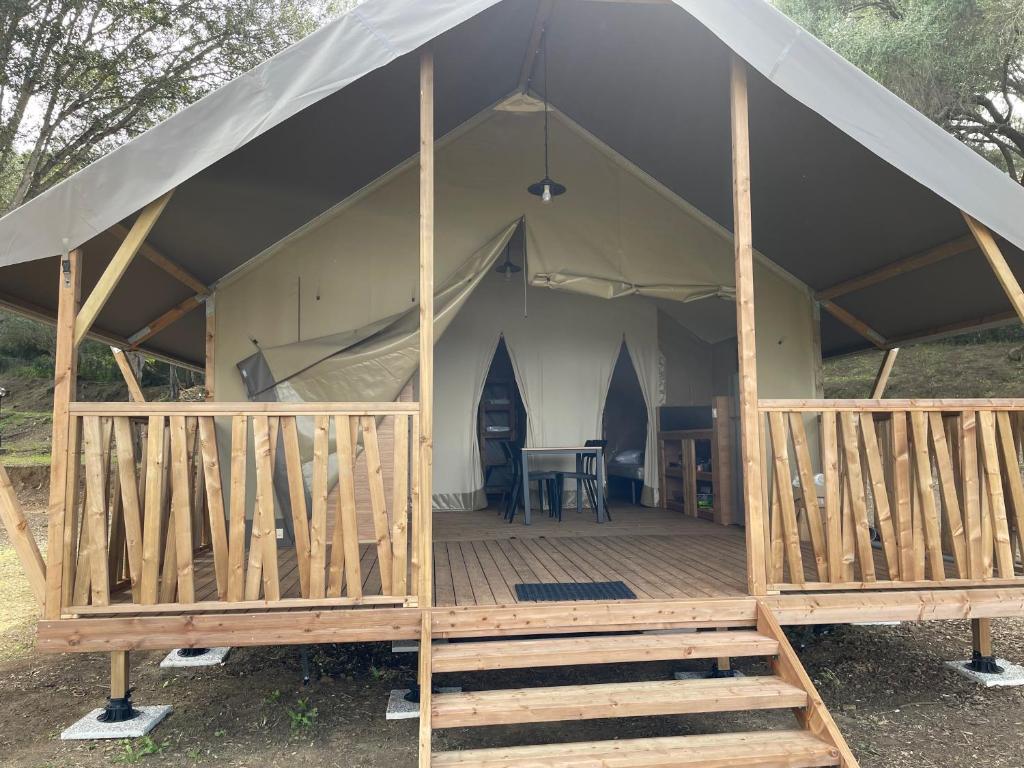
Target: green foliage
[
  {"x": 302, "y": 716},
  {"x": 80, "y": 77},
  {"x": 134, "y": 751},
  {"x": 961, "y": 62}
]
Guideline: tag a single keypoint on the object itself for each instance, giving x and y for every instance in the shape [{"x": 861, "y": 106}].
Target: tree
[
  {"x": 961, "y": 62},
  {"x": 79, "y": 77}
]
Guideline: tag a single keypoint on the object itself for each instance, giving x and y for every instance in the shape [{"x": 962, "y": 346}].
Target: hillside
[{"x": 989, "y": 364}]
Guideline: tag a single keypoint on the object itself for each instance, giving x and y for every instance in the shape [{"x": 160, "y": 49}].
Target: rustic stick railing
[
  {"x": 916, "y": 493},
  {"x": 185, "y": 506}
]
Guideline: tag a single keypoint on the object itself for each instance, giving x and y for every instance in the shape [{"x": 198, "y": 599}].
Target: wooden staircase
[{"x": 815, "y": 741}]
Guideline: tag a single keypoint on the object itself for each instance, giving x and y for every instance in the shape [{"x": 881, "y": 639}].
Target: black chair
[
  {"x": 587, "y": 475},
  {"x": 547, "y": 481}
]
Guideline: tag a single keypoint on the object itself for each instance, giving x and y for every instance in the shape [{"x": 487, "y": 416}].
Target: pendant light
[{"x": 546, "y": 188}]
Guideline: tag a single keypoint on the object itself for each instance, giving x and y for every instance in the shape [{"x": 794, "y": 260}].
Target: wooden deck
[{"x": 479, "y": 558}]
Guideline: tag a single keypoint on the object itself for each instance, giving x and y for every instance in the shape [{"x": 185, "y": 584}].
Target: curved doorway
[
  {"x": 625, "y": 429},
  {"x": 501, "y": 418}
]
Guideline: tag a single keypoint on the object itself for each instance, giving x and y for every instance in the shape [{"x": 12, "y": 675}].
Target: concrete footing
[
  {"x": 213, "y": 657},
  {"x": 1012, "y": 676},
  {"x": 90, "y": 727},
  {"x": 400, "y": 709}
]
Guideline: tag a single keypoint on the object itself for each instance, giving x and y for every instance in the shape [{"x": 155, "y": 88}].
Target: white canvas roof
[{"x": 847, "y": 177}]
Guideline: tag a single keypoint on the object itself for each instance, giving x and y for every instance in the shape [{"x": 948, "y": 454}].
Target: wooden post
[
  {"x": 425, "y": 534},
  {"x": 426, "y": 420},
  {"x": 981, "y": 636},
  {"x": 750, "y": 443},
  {"x": 119, "y": 674},
  {"x": 211, "y": 347},
  {"x": 884, "y": 372},
  {"x": 65, "y": 378}
]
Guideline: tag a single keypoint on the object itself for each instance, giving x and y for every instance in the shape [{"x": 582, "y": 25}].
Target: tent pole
[{"x": 750, "y": 443}]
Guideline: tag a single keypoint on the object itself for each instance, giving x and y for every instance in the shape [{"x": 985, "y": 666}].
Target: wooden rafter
[
  {"x": 855, "y": 324},
  {"x": 997, "y": 261},
  {"x": 948, "y": 329},
  {"x": 172, "y": 315},
  {"x": 134, "y": 390},
  {"x": 173, "y": 269},
  {"x": 909, "y": 264},
  {"x": 116, "y": 268},
  {"x": 884, "y": 372},
  {"x": 540, "y": 20}
]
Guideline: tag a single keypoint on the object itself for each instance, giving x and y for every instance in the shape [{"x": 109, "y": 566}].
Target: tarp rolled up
[{"x": 372, "y": 363}]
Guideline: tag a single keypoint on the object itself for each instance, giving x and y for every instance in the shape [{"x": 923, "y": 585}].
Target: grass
[
  {"x": 25, "y": 438},
  {"x": 18, "y": 609},
  {"x": 935, "y": 370}
]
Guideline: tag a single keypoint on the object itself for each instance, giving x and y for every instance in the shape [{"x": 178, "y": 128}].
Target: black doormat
[{"x": 599, "y": 590}]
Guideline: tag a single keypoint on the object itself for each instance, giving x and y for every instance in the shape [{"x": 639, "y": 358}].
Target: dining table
[{"x": 579, "y": 451}]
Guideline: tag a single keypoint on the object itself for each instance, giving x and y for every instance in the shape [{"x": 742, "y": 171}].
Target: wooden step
[
  {"x": 587, "y": 702},
  {"x": 607, "y": 649},
  {"x": 762, "y": 749}
]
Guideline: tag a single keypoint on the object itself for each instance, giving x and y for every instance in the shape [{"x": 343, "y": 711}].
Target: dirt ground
[{"x": 886, "y": 687}]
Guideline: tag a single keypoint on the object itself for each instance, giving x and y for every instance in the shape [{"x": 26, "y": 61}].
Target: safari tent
[{"x": 428, "y": 227}]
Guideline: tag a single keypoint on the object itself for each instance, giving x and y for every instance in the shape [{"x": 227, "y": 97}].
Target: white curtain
[{"x": 645, "y": 357}]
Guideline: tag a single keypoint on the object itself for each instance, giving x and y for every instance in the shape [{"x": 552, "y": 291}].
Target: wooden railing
[
  {"x": 188, "y": 506},
  {"x": 915, "y": 492}
]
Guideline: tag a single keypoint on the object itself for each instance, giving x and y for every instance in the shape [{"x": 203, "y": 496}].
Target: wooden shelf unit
[
  {"x": 497, "y": 408},
  {"x": 694, "y": 464}
]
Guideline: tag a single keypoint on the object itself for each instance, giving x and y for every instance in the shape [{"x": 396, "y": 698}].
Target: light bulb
[
  {"x": 546, "y": 197},
  {"x": 508, "y": 275}
]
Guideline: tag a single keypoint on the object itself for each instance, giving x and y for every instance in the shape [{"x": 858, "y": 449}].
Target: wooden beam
[
  {"x": 118, "y": 264},
  {"x": 425, "y": 536},
  {"x": 893, "y": 405},
  {"x": 24, "y": 543},
  {"x": 750, "y": 443},
  {"x": 129, "y": 633},
  {"x": 884, "y": 372},
  {"x": 44, "y": 315},
  {"x": 134, "y": 390},
  {"x": 934, "y": 255},
  {"x": 173, "y": 315},
  {"x": 540, "y": 20},
  {"x": 209, "y": 381},
  {"x": 65, "y": 379},
  {"x": 855, "y": 324},
  {"x": 997, "y": 261},
  {"x": 176, "y": 271},
  {"x": 961, "y": 326}
]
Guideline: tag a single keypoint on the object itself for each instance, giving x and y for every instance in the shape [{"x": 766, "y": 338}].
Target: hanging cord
[
  {"x": 526, "y": 267},
  {"x": 544, "y": 53}
]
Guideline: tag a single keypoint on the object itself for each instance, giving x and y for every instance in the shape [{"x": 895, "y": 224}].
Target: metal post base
[
  {"x": 721, "y": 674},
  {"x": 986, "y": 665},
  {"x": 191, "y": 653},
  {"x": 413, "y": 696},
  {"x": 118, "y": 710}
]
